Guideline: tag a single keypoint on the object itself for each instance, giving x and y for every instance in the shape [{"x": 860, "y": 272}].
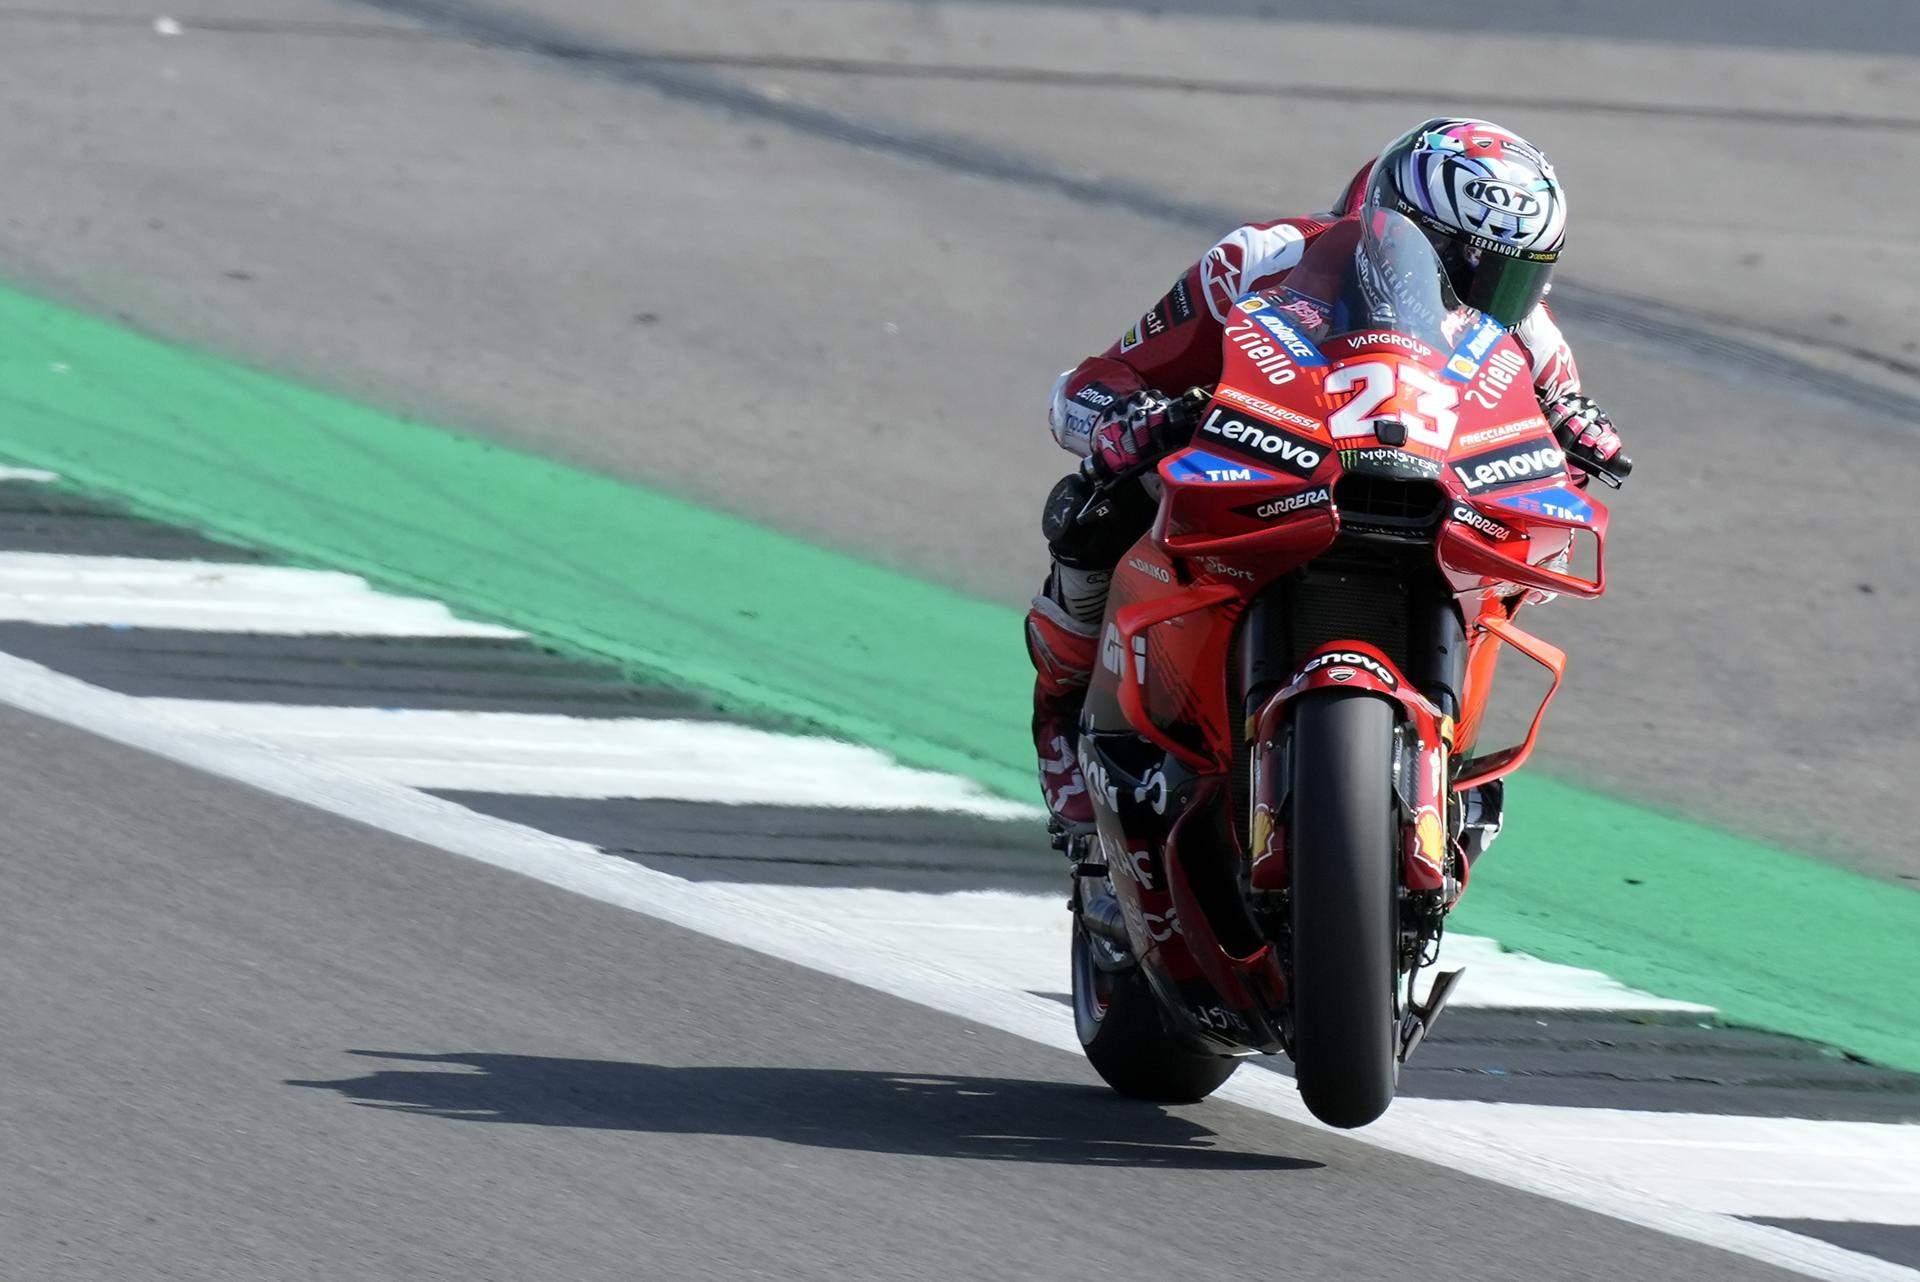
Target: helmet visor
[{"x": 1504, "y": 286}]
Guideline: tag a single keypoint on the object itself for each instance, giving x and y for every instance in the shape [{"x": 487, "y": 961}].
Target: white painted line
[
  {"x": 529, "y": 754},
  {"x": 829, "y": 946},
  {"x": 1020, "y": 941},
  {"x": 37, "y": 475},
  {"x": 207, "y": 596},
  {"x": 1768, "y": 1167}
]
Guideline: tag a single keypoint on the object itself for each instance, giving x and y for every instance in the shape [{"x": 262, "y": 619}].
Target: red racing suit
[{"x": 1176, "y": 345}]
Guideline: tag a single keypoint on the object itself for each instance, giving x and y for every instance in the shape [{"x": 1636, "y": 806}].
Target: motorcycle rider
[{"x": 1495, "y": 213}]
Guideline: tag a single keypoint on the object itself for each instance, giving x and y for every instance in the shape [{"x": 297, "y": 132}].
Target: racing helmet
[{"x": 1489, "y": 203}]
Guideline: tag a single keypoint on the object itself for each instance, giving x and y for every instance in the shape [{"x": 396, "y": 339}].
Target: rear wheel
[
  {"x": 1342, "y": 856},
  {"x": 1119, "y": 1025}
]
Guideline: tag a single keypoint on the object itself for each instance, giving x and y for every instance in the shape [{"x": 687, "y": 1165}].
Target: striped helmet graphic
[
  {"x": 1488, "y": 201},
  {"x": 1483, "y": 180}
]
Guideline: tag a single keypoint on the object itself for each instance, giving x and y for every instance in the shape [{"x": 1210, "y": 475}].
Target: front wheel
[
  {"x": 1119, "y": 1025},
  {"x": 1342, "y": 854}
]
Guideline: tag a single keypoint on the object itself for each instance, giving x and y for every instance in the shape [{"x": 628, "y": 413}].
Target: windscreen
[{"x": 1376, "y": 272}]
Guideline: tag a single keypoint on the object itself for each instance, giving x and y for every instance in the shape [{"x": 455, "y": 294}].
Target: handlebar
[
  {"x": 1612, "y": 471},
  {"x": 1182, "y": 416}
]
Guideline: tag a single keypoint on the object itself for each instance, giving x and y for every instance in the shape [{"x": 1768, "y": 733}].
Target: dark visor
[{"x": 1504, "y": 287}]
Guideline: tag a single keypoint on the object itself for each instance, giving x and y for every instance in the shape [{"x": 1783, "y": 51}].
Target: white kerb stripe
[
  {"x": 211, "y": 596},
  {"x": 530, "y": 754},
  {"x": 1020, "y": 940},
  {"x": 717, "y": 910}
]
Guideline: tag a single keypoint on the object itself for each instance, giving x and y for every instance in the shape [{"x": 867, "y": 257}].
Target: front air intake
[{"x": 1387, "y": 505}]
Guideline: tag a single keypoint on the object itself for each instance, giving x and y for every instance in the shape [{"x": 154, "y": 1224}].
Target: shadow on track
[{"x": 1001, "y": 1119}]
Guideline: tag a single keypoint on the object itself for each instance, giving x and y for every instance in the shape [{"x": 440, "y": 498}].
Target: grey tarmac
[
  {"x": 248, "y": 1040},
  {"x": 814, "y": 262}
]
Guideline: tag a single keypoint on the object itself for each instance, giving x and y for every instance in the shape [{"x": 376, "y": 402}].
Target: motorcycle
[{"x": 1281, "y": 736}]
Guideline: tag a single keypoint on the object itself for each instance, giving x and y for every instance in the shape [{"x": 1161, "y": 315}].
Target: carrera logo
[
  {"x": 1272, "y": 445},
  {"x": 1149, "y": 569},
  {"x": 1505, "y": 197},
  {"x": 1504, "y": 432},
  {"x": 1523, "y": 462},
  {"x": 1267, "y": 409},
  {"x": 1485, "y": 524},
  {"x": 1291, "y": 503},
  {"x": 1275, "y": 364},
  {"x": 1387, "y": 338},
  {"x": 1349, "y": 660}
]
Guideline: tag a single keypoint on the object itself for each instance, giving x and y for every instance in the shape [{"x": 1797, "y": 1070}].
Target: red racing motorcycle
[{"x": 1281, "y": 737}]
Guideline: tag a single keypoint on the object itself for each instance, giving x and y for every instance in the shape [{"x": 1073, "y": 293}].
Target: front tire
[
  {"x": 1342, "y": 852},
  {"x": 1118, "y": 1020}
]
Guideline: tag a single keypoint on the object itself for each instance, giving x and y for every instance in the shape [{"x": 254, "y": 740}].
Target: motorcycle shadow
[{"x": 1000, "y": 1119}]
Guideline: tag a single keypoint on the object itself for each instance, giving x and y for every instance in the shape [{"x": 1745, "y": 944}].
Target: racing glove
[
  {"x": 1585, "y": 433},
  {"x": 1147, "y": 426}
]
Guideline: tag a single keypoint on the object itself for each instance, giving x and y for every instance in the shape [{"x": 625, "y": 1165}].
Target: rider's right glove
[
  {"x": 1146, "y": 427},
  {"x": 1586, "y": 434}
]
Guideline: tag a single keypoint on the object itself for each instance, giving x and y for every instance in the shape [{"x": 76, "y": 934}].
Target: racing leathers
[{"x": 1112, "y": 406}]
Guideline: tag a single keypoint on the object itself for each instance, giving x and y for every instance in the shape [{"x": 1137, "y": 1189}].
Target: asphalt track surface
[
  {"x": 249, "y": 1039},
  {"x": 829, "y": 297},
  {"x": 816, "y": 262}
]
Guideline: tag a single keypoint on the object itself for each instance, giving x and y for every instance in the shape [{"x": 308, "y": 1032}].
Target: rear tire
[
  {"x": 1118, "y": 1020},
  {"x": 1345, "y": 907}
]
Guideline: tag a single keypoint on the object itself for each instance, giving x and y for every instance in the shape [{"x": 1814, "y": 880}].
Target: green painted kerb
[{"x": 775, "y": 627}]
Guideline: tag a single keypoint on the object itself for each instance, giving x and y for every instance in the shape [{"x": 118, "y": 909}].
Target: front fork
[{"x": 1432, "y": 865}]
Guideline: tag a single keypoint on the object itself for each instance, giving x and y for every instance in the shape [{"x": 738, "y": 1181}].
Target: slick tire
[
  {"x": 1119, "y": 1025},
  {"x": 1343, "y": 852}
]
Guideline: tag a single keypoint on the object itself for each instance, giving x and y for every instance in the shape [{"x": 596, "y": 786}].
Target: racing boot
[{"x": 1062, "y": 649}]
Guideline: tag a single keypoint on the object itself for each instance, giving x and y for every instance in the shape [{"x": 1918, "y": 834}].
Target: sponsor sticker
[
  {"x": 1130, "y": 339},
  {"x": 1252, "y": 303},
  {"x": 1387, "y": 338},
  {"x": 1515, "y": 464},
  {"x": 1473, "y": 517},
  {"x": 1310, "y": 312},
  {"x": 1258, "y": 346},
  {"x": 1560, "y": 503},
  {"x": 1473, "y": 348},
  {"x": 1179, "y": 303},
  {"x": 1203, "y": 467},
  {"x": 1272, "y": 509},
  {"x": 1149, "y": 569},
  {"x": 1267, "y": 443},
  {"x": 1292, "y": 339},
  {"x": 1393, "y": 462},
  {"x": 1504, "y": 432},
  {"x": 1267, "y": 409},
  {"x": 1100, "y": 397},
  {"x": 1338, "y": 659}
]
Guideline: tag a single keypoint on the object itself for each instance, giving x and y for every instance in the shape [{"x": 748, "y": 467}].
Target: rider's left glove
[
  {"x": 1583, "y": 429},
  {"x": 1147, "y": 427}
]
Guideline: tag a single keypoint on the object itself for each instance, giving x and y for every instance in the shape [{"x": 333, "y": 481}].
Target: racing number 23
[{"x": 1431, "y": 421}]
